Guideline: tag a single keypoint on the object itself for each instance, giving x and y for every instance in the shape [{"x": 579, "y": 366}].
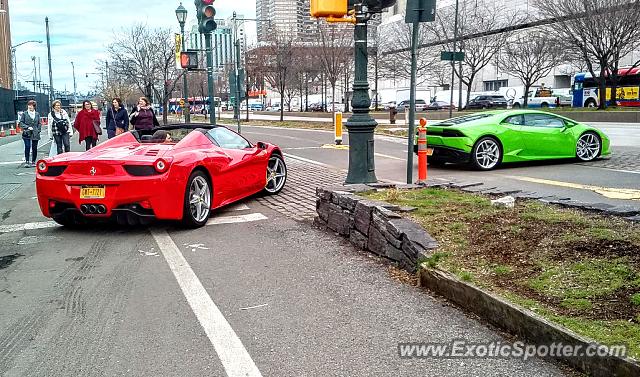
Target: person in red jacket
[{"x": 84, "y": 124}]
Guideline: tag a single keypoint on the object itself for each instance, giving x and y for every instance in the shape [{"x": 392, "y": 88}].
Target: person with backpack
[
  {"x": 30, "y": 124},
  {"x": 60, "y": 130},
  {"x": 117, "y": 119}
]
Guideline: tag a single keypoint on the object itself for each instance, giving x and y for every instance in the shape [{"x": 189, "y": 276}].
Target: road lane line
[
  {"x": 308, "y": 161},
  {"x": 236, "y": 219},
  {"x": 28, "y": 226},
  {"x": 234, "y": 357},
  {"x": 609, "y": 192},
  {"x": 235, "y": 207}
]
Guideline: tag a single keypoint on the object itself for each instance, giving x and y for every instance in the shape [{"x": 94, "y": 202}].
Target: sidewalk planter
[
  {"x": 374, "y": 226},
  {"x": 378, "y": 228}
]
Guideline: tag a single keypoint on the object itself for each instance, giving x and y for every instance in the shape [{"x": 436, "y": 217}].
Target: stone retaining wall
[{"x": 374, "y": 226}]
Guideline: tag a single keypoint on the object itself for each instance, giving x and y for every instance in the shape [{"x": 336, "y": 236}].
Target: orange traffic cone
[
  {"x": 12, "y": 131},
  {"x": 2, "y": 133},
  {"x": 18, "y": 129}
]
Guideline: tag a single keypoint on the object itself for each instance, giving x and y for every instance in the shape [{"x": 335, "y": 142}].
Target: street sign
[
  {"x": 420, "y": 11},
  {"x": 452, "y": 56}
]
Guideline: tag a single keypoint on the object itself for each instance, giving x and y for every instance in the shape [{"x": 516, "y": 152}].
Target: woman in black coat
[
  {"x": 30, "y": 124},
  {"x": 117, "y": 119}
]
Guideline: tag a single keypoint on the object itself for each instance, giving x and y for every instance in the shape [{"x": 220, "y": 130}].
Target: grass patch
[{"x": 577, "y": 269}]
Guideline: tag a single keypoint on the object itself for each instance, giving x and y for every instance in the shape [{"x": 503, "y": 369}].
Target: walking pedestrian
[
  {"x": 117, "y": 119},
  {"x": 88, "y": 125},
  {"x": 143, "y": 116},
  {"x": 60, "y": 129},
  {"x": 30, "y": 124}
]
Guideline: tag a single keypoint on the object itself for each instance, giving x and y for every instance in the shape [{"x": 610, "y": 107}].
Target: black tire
[
  {"x": 435, "y": 162},
  {"x": 544, "y": 105},
  {"x": 516, "y": 106},
  {"x": 189, "y": 219},
  {"x": 70, "y": 220},
  {"x": 276, "y": 182},
  {"x": 590, "y": 103},
  {"x": 493, "y": 155}
]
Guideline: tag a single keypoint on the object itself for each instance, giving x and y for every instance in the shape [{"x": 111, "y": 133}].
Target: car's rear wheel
[
  {"x": 197, "y": 200},
  {"x": 276, "y": 175},
  {"x": 486, "y": 154},
  {"x": 588, "y": 146}
]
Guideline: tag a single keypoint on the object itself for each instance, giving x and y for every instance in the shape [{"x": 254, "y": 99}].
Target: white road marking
[
  {"x": 11, "y": 162},
  {"x": 237, "y": 219},
  {"x": 254, "y": 307},
  {"x": 234, "y": 357},
  {"x": 235, "y": 207},
  {"x": 27, "y": 226},
  {"x": 307, "y": 160}
]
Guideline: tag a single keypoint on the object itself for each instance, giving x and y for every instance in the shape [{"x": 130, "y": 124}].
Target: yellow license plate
[
  {"x": 92, "y": 192},
  {"x": 429, "y": 151}
]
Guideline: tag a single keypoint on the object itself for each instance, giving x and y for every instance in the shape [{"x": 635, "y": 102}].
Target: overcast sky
[{"x": 81, "y": 30}]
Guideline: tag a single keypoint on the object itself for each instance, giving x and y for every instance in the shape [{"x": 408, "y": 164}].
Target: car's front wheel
[
  {"x": 197, "y": 200},
  {"x": 276, "y": 175},
  {"x": 588, "y": 146},
  {"x": 486, "y": 154}
]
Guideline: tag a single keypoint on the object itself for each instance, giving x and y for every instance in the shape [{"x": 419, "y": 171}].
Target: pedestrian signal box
[
  {"x": 328, "y": 8},
  {"x": 189, "y": 59}
]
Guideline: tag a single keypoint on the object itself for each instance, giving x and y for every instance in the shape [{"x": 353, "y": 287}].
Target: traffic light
[
  {"x": 206, "y": 13},
  {"x": 189, "y": 59},
  {"x": 329, "y": 8}
]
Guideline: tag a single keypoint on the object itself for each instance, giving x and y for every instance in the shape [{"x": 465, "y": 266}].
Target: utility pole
[
  {"x": 236, "y": 107},
  {"x": 73, "y": 70},
  {"x": 212, "y": 106},
  {"x": 33, "y": 59},
  {"x": 46, "y": 21},
  {"x": 453, "y": 63}
]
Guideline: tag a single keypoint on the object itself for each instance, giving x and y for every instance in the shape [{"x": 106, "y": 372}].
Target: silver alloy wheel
[
  {"x": 199, "y": 199},
  {"x": 588, "y": 147},
  {"x": 487, "y": 154},
  {"x": 276, "y": 175}
]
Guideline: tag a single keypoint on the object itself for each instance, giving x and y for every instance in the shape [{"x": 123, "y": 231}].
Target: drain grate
[{"x": 6, "y": 189}]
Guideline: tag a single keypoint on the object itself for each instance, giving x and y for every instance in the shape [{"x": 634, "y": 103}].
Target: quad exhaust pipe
[{"x": 93, "y": 209}]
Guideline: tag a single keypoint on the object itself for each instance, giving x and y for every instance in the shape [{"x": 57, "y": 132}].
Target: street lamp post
[
  {"x": 181, "y": 15},
  {"x": 361, "y": 125},
  {"x": 73, "y": 70},
  {"x": 15, "y": 64}
]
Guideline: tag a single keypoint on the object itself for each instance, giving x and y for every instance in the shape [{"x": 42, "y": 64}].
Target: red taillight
[
  {"x": 161, "y": 165},
  {"x": 42, "y": 167},
  {"x": 145, "y": 204},
  {"x": 52, "y": 203}
]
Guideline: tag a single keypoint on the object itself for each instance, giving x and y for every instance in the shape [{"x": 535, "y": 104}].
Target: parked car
[
  {"x": 490, "y": 138},
  {"x": 487, "y": 102},
  {"x": 120, "y": 178},
  {"x": 256, "y": 107},
  {"x": 440, "y": 105},
  {"x": 315, "y": 106},
  {"x": 390, "y": 105},
  {"x": 339, "y": 107},
  {"x": 421, "y": 105},
  {"x": 273, "y": 108}
]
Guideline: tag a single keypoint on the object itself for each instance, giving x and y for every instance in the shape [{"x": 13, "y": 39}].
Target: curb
[{"x": 523, "y": 323}]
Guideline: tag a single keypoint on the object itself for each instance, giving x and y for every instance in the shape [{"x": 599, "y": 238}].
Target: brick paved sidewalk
[
  {"x": 620, "y": 159},
  {"x": 298, "y": 198}
]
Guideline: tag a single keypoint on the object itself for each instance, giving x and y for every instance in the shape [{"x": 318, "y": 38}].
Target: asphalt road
[{"x": 252, "y": 293}]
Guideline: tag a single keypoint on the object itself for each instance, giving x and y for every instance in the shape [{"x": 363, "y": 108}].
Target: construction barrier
[
  {"x": 12, "y": 131},
  {"x": 422, "y": 151},
  {"x": 337, "y": 120}
]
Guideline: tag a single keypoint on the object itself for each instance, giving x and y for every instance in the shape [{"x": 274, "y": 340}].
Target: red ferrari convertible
[{"x": 177, "y": 172}]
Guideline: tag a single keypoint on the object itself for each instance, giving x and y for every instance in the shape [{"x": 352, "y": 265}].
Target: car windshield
[
  {"x": 168, "y": 135},
  {"x": 462, "y": 119}
]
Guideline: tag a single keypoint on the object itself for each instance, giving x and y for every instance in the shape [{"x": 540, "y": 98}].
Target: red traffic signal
[
  {"x": 205, "y": 13},
  {"x": 189, "y": 59}
]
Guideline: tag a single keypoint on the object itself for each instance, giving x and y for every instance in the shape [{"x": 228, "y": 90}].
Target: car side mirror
[
  {"x": 261, "y": 145},
  {"x": 569, "y": 124}
]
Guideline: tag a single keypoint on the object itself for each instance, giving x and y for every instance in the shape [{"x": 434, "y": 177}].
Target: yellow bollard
[{"x": 337, "y": 122}]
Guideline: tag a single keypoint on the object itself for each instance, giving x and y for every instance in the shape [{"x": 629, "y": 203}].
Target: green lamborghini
[{"x": 487, "y": 139}]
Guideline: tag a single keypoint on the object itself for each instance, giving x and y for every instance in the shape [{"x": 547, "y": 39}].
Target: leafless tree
[
  {"x": 144, "y": 57},
  {"x": 473, "y": 17},
  {"x": 278, "y": 56},
  {"x": 601, "y": 32},
  {"x": 335, "y": 44},
  {"x": 530, "y": 57},
  {"x": 398, "y": 65}
]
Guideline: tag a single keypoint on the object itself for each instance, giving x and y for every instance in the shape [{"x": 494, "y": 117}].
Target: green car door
[{"x": 547, "y": 136}]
